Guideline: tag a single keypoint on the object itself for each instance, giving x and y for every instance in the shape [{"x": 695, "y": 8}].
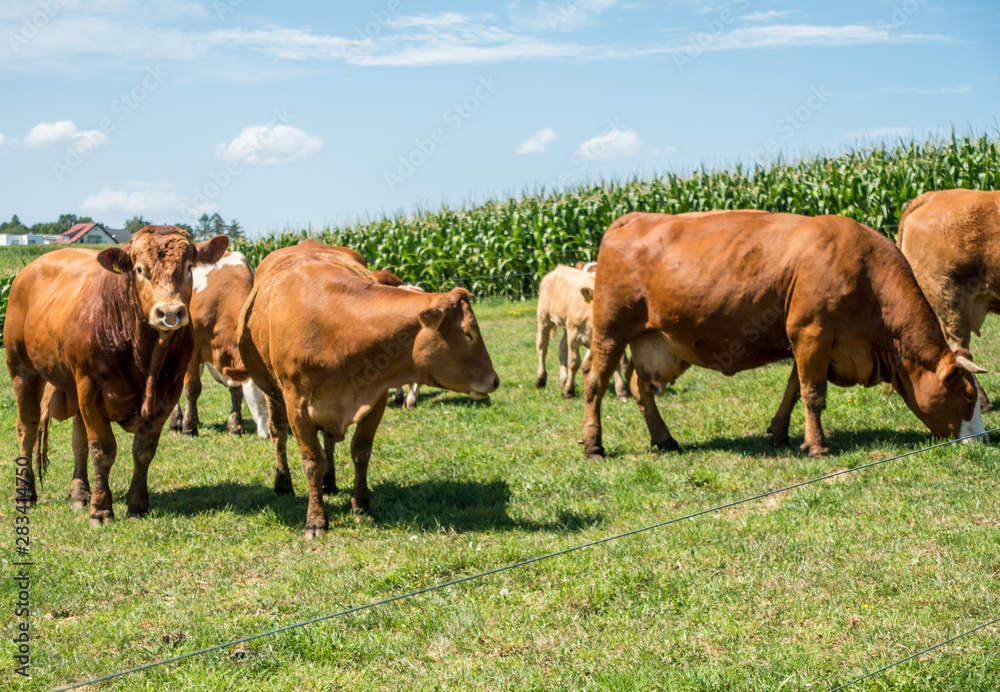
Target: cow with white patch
[
  {"x": 564, "y": 298},
  {"x": 218, "y": 292}
]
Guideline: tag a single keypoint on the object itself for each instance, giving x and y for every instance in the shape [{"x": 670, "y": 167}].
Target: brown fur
[
  {"x": 215, "y": 312},
  {"x": 326, "y": 344},
  {"x": 733, "y": 290},
  {"x": 109, "y": 332}
]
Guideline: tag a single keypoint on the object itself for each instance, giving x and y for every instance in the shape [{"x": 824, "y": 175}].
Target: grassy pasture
[{"x": 802, "y": 591}]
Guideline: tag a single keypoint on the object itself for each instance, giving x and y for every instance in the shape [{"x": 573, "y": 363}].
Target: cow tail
[{"x": 42, "y": 446}]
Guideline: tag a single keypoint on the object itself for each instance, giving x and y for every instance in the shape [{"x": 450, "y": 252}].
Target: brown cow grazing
[
  {"x": 326, "y": 342},
  {"x": 564, "y": 297},
  {"x": 733, "y": 290},
  {"x": 110, "y": 332},
  {"x": 219, "y": 290},
  {"x": 952, "y": 240}
]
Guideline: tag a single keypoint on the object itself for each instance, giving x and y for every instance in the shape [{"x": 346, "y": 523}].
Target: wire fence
[{"x": 548, "y": 556}]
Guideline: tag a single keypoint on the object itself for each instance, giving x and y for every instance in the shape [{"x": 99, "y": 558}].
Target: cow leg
[
  {"x": 192, "y": 390},
  {"x": 144, "y": 446},
  {"x": 411, "y": 396},
  {"x": 79, "y": 487},
  {"x": 542, "y": 347},
  {"x": 779, "y": 424},
  {"x": 361, "y": 452},
  {"x": 659, "y": 435},
  {"x": 563, "y": 361},
  {"x": 330, "y": 477},
  {"x": 235, "y": 423},
  {"x": 812, "y": 358},
  {"x": 605, "y": 355},
  {"x": 400, "y": 398},
  {"x": 313, "y": 463},
  {"x": 28, "y": 392},
  {"x": 177, "y": 418},
  {"x": 257, "y": 403},
  {"x": 277, "y": 426},
  {"x": 102, "y": 447},
  {"x": 622, "y": 377},
  {"x": 574, "y": 340}
]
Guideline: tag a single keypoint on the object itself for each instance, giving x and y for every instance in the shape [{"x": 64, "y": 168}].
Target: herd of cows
[{"x": 314, "y": 340}]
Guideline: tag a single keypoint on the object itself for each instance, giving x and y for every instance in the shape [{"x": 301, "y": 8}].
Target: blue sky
[{"x": 301, "y": 113}]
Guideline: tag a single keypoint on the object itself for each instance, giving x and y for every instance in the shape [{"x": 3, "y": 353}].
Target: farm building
[
  {"x": 93, "y": 233},
  {"x": 23, "y": 239}
]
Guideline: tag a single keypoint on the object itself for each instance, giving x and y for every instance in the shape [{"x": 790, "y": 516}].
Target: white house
[{"x": 22, "y": 239}]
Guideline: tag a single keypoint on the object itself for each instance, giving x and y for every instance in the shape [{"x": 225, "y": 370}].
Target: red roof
[{"x": 76, "y": 232}]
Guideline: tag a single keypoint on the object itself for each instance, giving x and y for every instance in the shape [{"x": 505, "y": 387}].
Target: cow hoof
[
  {"x": 541, "y": 381},
  {"x": 410, "y": 407},
  {"x": 623, "y": 399},
  {"x": 571, "y": 394},
  {"x": 815, "y": 451},
  {"x": 314, "y": 532},
  {"x": 189, "y": 433},
  {"x": 235, "y": 427},
  {"x": 668, "y": 445},
  {"x": 175, "y": 428},
  {"x": 594, "y": 454},
  {"x": 103, "y": 517},
  {"x": 137, "y": 512},
  {"x": 780, "y": 441}
]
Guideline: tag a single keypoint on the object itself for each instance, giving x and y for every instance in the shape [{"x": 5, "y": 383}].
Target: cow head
[
  {"x": 158, "y": 262},
  {"x": 449, "y": 352},
  {"x": 947, "y": 399}
]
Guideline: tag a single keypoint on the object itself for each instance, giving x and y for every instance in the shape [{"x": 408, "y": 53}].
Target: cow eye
[{"x": 470, "y": 337}]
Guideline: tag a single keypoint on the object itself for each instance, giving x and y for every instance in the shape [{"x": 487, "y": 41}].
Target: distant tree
[
  {"x": 235, "y": 230},
  {"x": 13, "y": 227},
  {"x": 204, "y": 228},
  {"x": 66, "y": 222},
  {"x": 218, "y": 226},
  {"x": 134, "y": 224}
]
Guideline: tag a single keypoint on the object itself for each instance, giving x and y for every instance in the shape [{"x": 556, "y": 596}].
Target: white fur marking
[
  {"x": 974, "y": 426},
  {"x": 199, "y": 275},
  {"x": 257, "y": 403}
]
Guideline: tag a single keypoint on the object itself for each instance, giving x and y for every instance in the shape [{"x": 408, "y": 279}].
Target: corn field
[{"x": 505, "y": 247}]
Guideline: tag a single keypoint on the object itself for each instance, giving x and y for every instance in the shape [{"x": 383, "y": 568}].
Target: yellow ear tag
[{"x": 116, "y": 268}]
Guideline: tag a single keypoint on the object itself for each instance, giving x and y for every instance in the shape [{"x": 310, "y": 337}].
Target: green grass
[
  {"x": 800, "y": 591},
  {"x": 13, "y": 258}
]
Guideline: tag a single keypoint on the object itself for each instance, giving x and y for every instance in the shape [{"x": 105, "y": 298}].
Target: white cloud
[
  {"x": 664, "y": 151},
  {"x": 536, "y": 143},
  {"x": 64, "y": 133},
  {"x": 767, "y": 16},
  {"x": 615, "y": 144},
  {"x": 142, "y": 202},
  {"x": 6, "y": 144},
  {"x": 562, "y": 15},
  {"x": 270, "y": 144}
]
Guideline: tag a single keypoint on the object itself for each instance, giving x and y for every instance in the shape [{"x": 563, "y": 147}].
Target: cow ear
[
  {"x": 115, "y": 259},
  {"x": 587, "y": 292},
  {"x": 431, "y": 317},
  {"x": 211, "y": 251}
]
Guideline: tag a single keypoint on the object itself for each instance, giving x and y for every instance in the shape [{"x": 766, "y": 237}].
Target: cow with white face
[{"x": 218, "y": 291}]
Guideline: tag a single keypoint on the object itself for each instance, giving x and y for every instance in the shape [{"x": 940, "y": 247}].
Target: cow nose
[
  {"x": 496, "y": 382},
  {"x": 167, "y": 316}
]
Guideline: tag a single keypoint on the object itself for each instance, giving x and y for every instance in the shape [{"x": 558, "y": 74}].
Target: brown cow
[
  {"x": 110, "y": 331},
  {"x": 340, "y": 342},
  {"x": 733, "y": 290},
  {"x": 564, "y": 297},
  {"x": 219, "y": 290},
  {"x": 952, "y": 241}
]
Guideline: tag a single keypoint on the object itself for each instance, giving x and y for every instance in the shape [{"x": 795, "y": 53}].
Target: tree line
[{"x": 206, "y": 227}]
